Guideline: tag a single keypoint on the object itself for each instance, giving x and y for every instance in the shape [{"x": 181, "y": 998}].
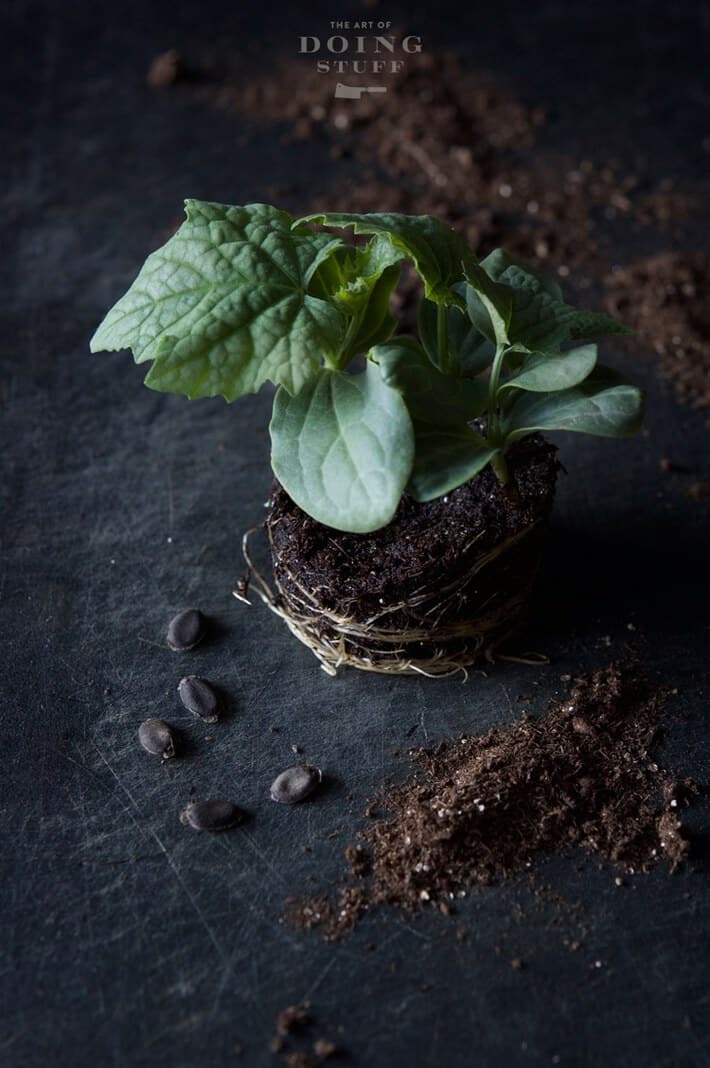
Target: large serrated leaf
[
  {"x": 431, "y": 396},
  {"x": 223, "y": 307},
  {"x": 438, "y": 251},
  {"x": 543, "y": 372},
  {"x": 343, "y": 448},
  {"x": 605, "y": 404},
  {"x": 445, "y": 457}
]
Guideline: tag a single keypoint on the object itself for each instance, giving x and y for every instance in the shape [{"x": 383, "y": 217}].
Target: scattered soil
[
  {"x": 293, "y": 1031},
  {"x": 699, "y": 491},
  {"x": 454, "y": 144},
  {"x": 482, "y": 807},
  {"x": 448, "y": 142},
  {"x": 166, "y": 69},
  {"x": 664, "y": 298}
]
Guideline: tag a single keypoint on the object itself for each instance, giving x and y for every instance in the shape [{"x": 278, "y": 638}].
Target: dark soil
[
  {"x": 480, "y": 808},
  {"x": 428, "y": 543},
  {"x": 664, "y": 298}
]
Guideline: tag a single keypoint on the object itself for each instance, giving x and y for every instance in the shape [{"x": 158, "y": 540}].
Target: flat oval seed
[
  {"x": 295, "y": 784},
  {"x": 212, "y": 815},
  {"x": 186, "y": 630},
  {"x": 199, "y": 697},
  {"x": 157, "y": 737}
]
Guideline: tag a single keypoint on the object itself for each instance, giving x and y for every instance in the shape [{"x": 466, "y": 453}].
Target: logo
[{"x": 361, "y": 47}]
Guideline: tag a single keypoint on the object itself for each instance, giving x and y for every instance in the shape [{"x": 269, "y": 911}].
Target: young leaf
[
  {"x": 343, "y": 448},
  {"x": 431, "y": 396},
  {"x": 223, "y": 306},
  {"x": 496, "y": 266},
  {"x": 438, "y": 251},
  {"x": 349, "y": 274},
  {"x": 444, "y": 458},
  {"x": 543, "y": 372},
  {"x": 539, "y": 319},
  {"x": 604, "y": 404},
  {"x": 360, "y": 282},
  {"x": 376, "y": 321},
  {"x": 469, "y": 350},
  {"x": 489, "y": 305}
]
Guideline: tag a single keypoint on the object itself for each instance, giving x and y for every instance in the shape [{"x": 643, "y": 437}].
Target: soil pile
[
  {"x": 664, "y": 298},
  {"x": 483, "y": 806}
]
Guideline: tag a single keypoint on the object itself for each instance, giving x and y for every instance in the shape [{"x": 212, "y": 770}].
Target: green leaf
[
  {"x": 586, "y": 324},
  {"x": 469, "y": 351},
  {"x": 349, "y": 274},
  {"x": 343, "y": 448},
  {"x": 604, "y": 404},
  {"x": 543, "y": 372},
  {"x": 539, "y": 319},
  {"x": 359, "y": 282},
  {"x": 489, "y": 305},
  {"x": 376, "y": 321},
  {"x": 431, "y": 396},
  {"x": 438, "y": 251},
  {"x": 445, "y": 457},
  {"x": 223, "y": 306},
  {"x": 496, "y": 266}
]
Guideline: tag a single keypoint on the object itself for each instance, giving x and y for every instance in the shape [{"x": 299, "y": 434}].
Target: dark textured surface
[{"x": 129, "y": 940}]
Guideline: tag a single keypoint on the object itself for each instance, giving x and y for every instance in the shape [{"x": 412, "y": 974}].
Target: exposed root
[{"x": 449, "y": 643}]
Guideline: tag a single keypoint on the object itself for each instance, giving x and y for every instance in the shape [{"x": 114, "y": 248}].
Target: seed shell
[
  {"x": 157, "y": 737},
  {"x": 295, "y": 784},
  {"x": 186, "y": 630},
  {"x": 199, "y": 697},
  {"x": 211, "y": 815}
]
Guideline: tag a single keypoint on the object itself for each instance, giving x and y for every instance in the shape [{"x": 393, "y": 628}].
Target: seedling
[{"x": 241, "y": 296}]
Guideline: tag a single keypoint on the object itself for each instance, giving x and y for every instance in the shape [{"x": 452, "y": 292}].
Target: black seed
[
  {"x": 199, "y": 697},
  {"x": 213, "y": 815},
  {"x": 186, "y": 630},
  {"x": 157, "y": 737},
  {"x": 295, "y": 784}
]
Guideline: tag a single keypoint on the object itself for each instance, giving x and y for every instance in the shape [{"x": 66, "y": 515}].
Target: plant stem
[
  {"x": 442, "y": 337},
  {"x": 350, "y": 335},
  {"x": 496, "y": 369},
  {"x": 500, "y": 466}
]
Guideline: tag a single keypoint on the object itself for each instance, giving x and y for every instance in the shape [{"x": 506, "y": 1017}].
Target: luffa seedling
[{"x": 244, "y": 295}]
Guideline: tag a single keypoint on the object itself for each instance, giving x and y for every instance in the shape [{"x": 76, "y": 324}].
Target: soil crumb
[
  {"x": 293, "y": 1032},
  {"x": 481, "y": 807},
  {"x": 664, "y": 298},
  {"x": 166, "y": 69}
]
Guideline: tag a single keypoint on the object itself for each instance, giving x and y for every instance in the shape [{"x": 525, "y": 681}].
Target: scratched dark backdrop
[{"x": 127, "y": 939}]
